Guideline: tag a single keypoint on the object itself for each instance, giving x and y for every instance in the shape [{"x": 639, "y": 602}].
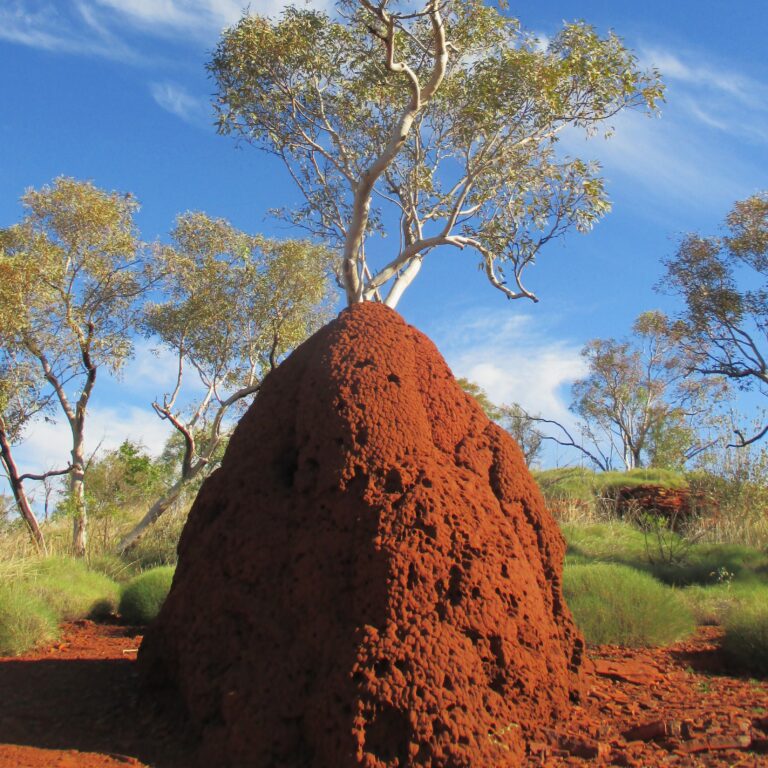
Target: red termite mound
[{"x": 371, "y": 578}]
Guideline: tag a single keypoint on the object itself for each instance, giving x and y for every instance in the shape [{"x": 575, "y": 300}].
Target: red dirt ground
[{"x": 75, "y": 705}]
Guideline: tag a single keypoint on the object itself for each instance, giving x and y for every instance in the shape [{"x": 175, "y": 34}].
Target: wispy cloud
[
  {"x": 98, "y": 27},
  {"x": 694, "y": 155},
  {"x": 174, "y": 98},
  {"x": 76, "y": 31},
  {"x": 688, "y": 68},
  {"x": 514, "y": 360}
]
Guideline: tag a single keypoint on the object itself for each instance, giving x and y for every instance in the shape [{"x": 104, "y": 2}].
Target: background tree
[
  {"x": 513, "y": 418},
  {"x": 724, "y": 284},
  {"x": 440, "y": 116},
  {"x": 639, "y": 402},
  {"x": 74, "y": 276},
  {"x": 118, "y": 484},
  {"x": 21, "y": 400},
  {"x": 235, "y": 304}
]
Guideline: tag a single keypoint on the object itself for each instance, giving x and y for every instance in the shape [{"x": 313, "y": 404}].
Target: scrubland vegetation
[{"x": 631, "y": 577}]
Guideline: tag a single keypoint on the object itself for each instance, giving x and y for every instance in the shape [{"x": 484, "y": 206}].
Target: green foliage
[
  {"x": 589, "y": 486},
  {"x": 118, "y": 483},
  {"x": 25, "y": 620},
  {"x": 746, "y": 638},
  {"x": 619, "y": 605},
  {"x": 72, "y": 591},
  {"x": 704, "y": 563},
  {"x": 714, "y": 602},
  {"x": 145, "y": 594},
  {"x": 457, "y": 127},
  {"x": 639, "y": 401},
  {"x": 723, "y": 282},
  {"x": 71, "y": 277}
]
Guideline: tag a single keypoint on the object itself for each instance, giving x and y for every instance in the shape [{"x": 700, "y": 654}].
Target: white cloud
[
  {"x": 47, "y": 445},
  {"x": 514, "y": 361},
  {"x": 151, "y": 370},
  {"x": 97, "y": 27},
  {"x": 178, "y": 101},
  {"x": 204, "y": 18},
  {"x": 42, "y": 25},
  {"x": 693, "y": 72}
]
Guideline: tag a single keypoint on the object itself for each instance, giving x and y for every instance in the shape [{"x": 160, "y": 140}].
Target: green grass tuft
[
  {"x": 746, "y": 638},
  {"x": 145, "y": 594},
  {"x": 71, "y": 590},
  {"x": 622, "y": 606},
  {"x": 25, "y": 621}
]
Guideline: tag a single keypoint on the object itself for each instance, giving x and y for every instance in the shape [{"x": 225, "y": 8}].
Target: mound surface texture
[{"x": 371, "y": 578}]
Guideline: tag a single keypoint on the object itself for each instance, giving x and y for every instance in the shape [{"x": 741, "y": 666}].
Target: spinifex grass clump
[
  {"x": 71, "y": 590},
  {"x": 25, "y": 621},
  {"x": 746, "y": 638},
  {"x": 622, "y": 606},
  {"x": 145, "y": 594}
]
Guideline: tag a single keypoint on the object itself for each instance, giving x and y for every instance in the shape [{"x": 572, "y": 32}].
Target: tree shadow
[{"x": 91, "y": 705}]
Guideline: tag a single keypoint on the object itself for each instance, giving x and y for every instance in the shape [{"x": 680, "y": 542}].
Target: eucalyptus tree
[
  {"x": 724, "y": 284},
  {"x": 438, "y": 119},
  {"x": 234, "y": 305},
  {"x": 22, "y": 399},
  {"x": 73, "y": 279},
  {"x": 639, "y": 402}
]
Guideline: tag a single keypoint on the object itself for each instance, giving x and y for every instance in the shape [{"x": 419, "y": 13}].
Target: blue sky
[{"x": 115, "y": 91}]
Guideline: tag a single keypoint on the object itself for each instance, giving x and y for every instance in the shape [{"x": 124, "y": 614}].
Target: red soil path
[{"x": 75, "y": 705}]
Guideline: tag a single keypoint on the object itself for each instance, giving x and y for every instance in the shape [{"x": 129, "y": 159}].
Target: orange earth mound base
[
  {"x": 76, "y": 702},
  {"x": 371, "y": 578}
]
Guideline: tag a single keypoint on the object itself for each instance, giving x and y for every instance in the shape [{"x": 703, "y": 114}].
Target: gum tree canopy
[
  {"x": 444, "y": 114},
  {"x": 723, "y": 282}
]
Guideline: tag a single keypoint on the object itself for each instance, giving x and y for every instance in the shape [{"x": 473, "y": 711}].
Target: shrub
[
  {"x": 70, "y": 590},
  {"x": 145, "y": 594},
  {"x": 622, "y": 606},
  {"x": 714, "y": 604},
  {"x": 25, "y": 621},
  {"x": 114, "y": 567},
  {"x": 746, "y": 638}
]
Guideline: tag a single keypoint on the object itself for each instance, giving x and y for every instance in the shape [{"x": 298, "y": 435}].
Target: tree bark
[
  {"x": 77, "y": 497},
  {"x": 161, "y": 506},
  {"x": 17, "y": 487}
]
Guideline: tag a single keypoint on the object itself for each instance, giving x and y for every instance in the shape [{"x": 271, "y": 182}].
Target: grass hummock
[
  {"x": 622, "y": 606},
  {"x": 25, "y": 620},
  {"x": 144, "y": 595}
]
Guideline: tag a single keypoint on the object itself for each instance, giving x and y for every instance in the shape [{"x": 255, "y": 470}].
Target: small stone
[{"x": 658, "y": 729}]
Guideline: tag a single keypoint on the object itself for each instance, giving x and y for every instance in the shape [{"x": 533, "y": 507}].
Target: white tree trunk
[{"x": 77, "y": 496}]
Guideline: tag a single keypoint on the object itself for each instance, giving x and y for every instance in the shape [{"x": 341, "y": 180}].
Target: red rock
[
  {"x": 740, "y": 741},
  {"x": 761, "y": 723},
  {"x": 659, "y": 729},
  {"x": 589, "y": 749},
  {"x": 371, "y": 578},
  {"x": 630, "y": 671}
]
